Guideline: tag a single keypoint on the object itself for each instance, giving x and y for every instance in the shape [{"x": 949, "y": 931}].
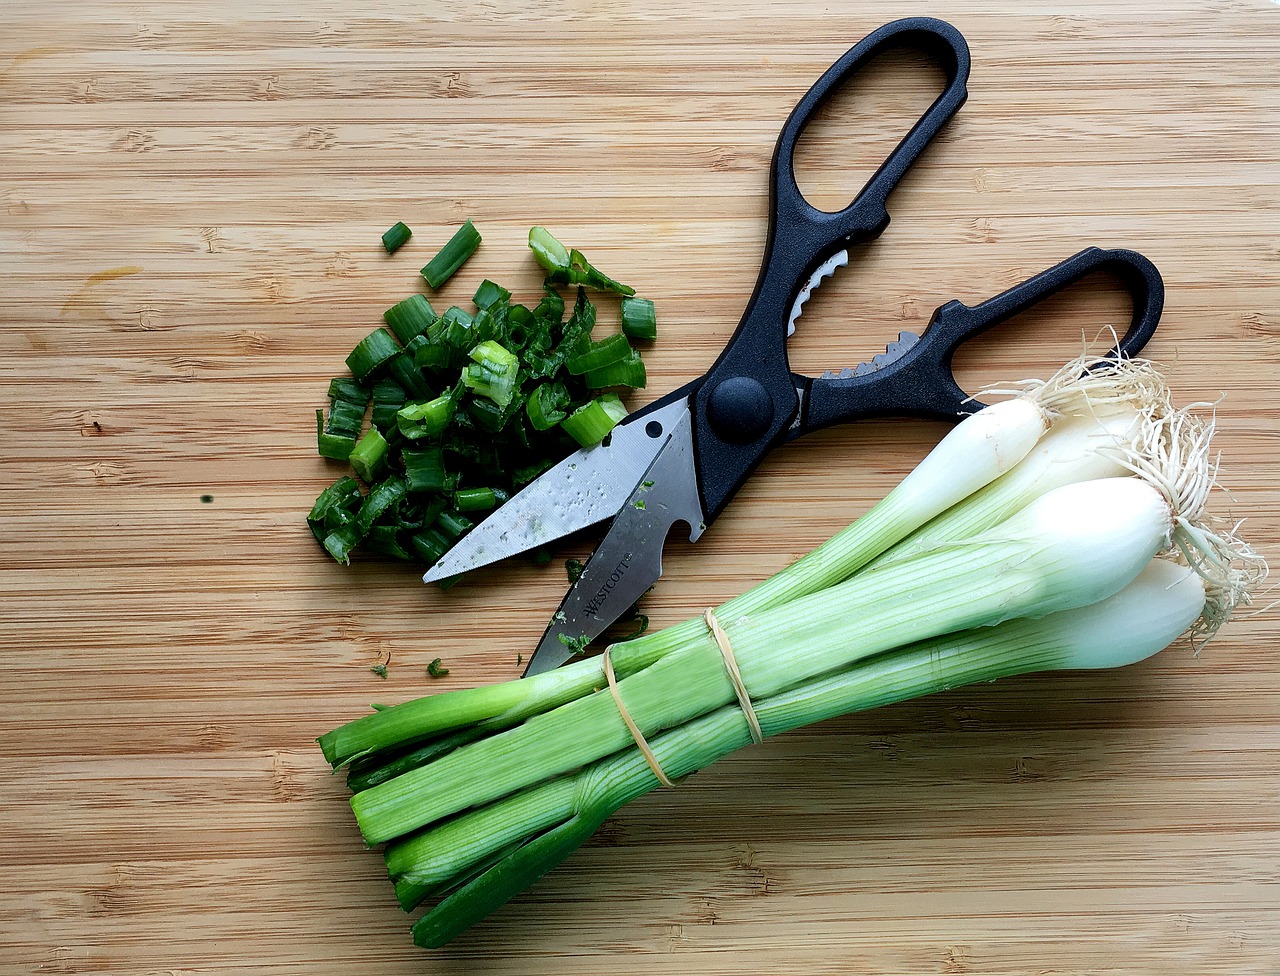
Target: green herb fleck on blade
[
  {"x": 573, "y": 569},
  {"x": 436, "y": 670},
  {"x": 577, "y": 645}
]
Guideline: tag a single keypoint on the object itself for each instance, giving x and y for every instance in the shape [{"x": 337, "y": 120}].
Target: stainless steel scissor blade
[
  {"x": 587, "y": 487},
  {"x": 629, "y": 559}
]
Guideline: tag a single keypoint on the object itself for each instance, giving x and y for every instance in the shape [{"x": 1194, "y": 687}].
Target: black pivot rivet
[{"x": 740, "y": 410}]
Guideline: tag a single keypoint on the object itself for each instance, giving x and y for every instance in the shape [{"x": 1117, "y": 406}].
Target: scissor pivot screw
[{"x": 740, "y": 409}]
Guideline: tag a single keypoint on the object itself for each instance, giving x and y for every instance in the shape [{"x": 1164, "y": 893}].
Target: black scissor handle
[
  {"x": 921, "y": 383},
  {"x": 747, "y": 401},
  {"x": 799, "y": 223}
]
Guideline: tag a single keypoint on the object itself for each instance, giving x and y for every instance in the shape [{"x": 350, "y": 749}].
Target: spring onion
[
  {"x": 452, "y": 256},
  {"x": 493, "y": 373},
  {"x": 639, "y": 318},
  {"x": 628, "y": 371},
  {"x": 396, "y": 236},
  {"x": 410, "y": 318},
  {"x": 590, "y": 423},
  {"x": 371, "y": 352},
  {"x": 368, "y": 457},
  {"x": 986, "y": 561}
]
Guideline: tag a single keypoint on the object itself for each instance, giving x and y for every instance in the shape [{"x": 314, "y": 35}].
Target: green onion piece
[
  {"x": 546, "y": 405},
  {"x": 433, "y": 357},
  {"x": 396, "y": 236},
  {"x": 371, "y": 352},
  {"x": 345, "y": 418},
  {"x": 407, "y": 374},
  {"x": 454, "y": 526},
  {"x": 424, "y": 469},
  {"x": 527, "y": 472},
  {"x": 381, "y": 498},
  {"x": 521, "y": 327},
  {"x": 385, "y": 540},
  {"x": 340, "y": 543},
  {"x": 341, "y": 388},
  {"x": 593, "y": 277},
  {"x": 461, "y": 246},
  {"x": 341, "y": 496},
  {"x": 590, "y": 423},
  {"x": 335, "y": 446},
  {"x": 639, "y": 318},
  {"x": 548, "y": 251},
  {"x": 419, "y": 420},
  {"x": 369, "y": 456},
  {"x": 493, "y": 372},
  {"x": 436, "y": 670},
  {"x": 573, "y": 568},
  {"x": 478, "y": 499},
  {"x": 489, "y": 294},
  {"x": 381, "y": 671},
  {"x": 388, "y": 397},
  {"x": 429, "y": 545},
  {"x": 410, "y": 318},
  {"x": 626, "y": 372},
  {"x": 551, "y": 308},
  {"x": 347, "y": 402},
  {"x": 606, "y": 352}
]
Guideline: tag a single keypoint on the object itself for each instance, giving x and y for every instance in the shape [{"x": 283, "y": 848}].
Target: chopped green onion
[
  {"x": 547, "y": 251},
  {"x": 385, "y": 540},
  {"x": 343, "y": 495},
  {"x": 587, "y": 274},
  {"x": 380, "y": 670},
  {"x": 396, "y": 237},
  {"x": 590, "y": 423},
  {"x": 388, "y": 398},
  {"x": 477, "y": 499},
  {"x": 340, "y": 542},
  {"x": 424, "y": 468},
  {"x": 606, "y": 352},
  {"x": 545, "y": 406},
  {"x": 639, "y": 318},
  {"x": 429, "y": 545},
  {"x": 369, "y": 456},
  {"x": 379, "y": 499},
  {"x": 407, "y": 374},
  {"x": 454, "y": 526},
  {"x": 436, "y": 670},
  {"x": 371, "y": 352},
  {"x": 335, "y": 446},
  {"x": 489, "y": 294},
  {"x": 461, "y": 246},
  {"x": 409, "y": 318},
  {"x": 626, "y": 372},
  {"x": 419, "y": 420},
  {"x": 493, "y": 373},
  {"x": 573, "y": 568}
]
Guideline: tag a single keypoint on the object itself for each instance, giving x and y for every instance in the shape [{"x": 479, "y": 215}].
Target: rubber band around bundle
[
  {"x": 735, "y": 676},
  {"x": 641, "y": 742}
]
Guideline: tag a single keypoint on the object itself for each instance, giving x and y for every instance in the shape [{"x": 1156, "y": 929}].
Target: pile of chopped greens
[{"x": 467, "y": 406}]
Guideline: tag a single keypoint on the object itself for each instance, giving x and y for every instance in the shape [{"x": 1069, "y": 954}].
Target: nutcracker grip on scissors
[{"x": 921, "y": 382}]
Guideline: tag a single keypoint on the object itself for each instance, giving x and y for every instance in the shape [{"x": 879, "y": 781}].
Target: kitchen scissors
[{"x": 684, "y": 456}]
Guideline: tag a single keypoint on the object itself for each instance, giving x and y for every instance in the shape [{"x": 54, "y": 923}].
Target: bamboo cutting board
[{"x": 192, "y": 198}]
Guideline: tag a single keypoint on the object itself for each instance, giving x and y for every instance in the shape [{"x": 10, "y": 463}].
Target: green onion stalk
[{"x": 1063, "y": 528}]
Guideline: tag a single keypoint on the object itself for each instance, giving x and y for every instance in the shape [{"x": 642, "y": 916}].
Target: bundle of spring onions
[{"x": 1064, "y": 528}]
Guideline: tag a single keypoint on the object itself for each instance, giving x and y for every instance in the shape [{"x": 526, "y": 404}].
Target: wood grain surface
[{"x": 191, "y": 196}]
